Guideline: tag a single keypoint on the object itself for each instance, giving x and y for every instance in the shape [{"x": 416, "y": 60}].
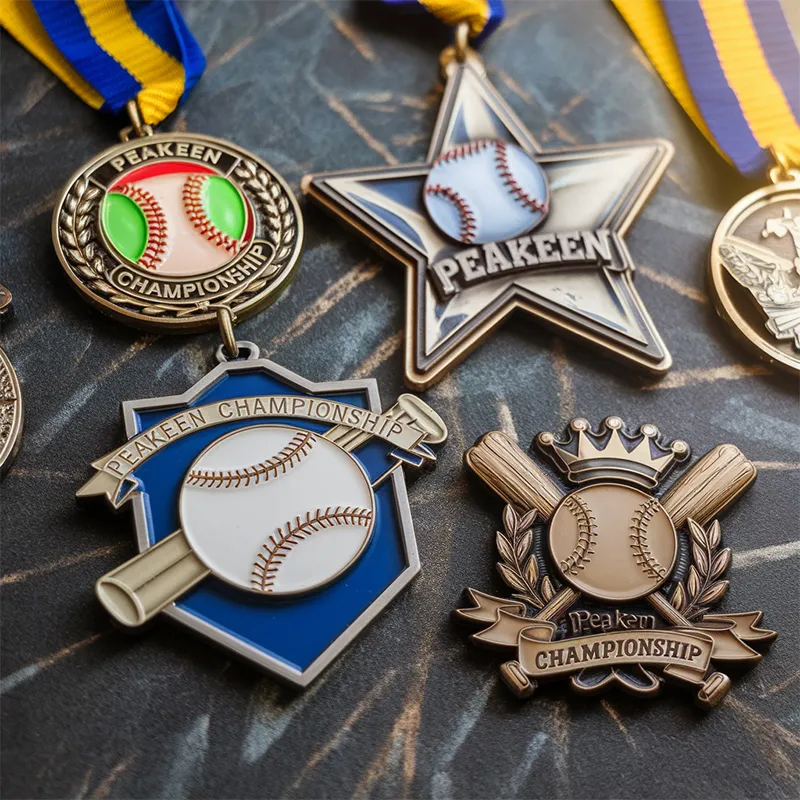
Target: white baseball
[
  {"x": 486, "y": 191},
  {"x": 276, "y": 509}
]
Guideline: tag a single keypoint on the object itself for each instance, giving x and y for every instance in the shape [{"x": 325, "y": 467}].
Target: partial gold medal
[
  {"x": 10, "y": 398},
  {"x": 755, "y": 270}
]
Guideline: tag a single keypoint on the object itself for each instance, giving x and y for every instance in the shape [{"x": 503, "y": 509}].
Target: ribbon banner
[
  {"x": 110, "y": 52},
  {"x": 116, "y": 467},
  {"x": 684, "y": 653},
  {"x": 734, "y": 66}
]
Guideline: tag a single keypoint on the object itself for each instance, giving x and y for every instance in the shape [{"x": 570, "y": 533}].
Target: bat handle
[
  {"x": 409, "y": 409},
  {"x": 712, "y": 688},
  {"x": 137, "y": 590},
  {"x": 511, "y": 672},
  {"x": 502, "y": 464}
]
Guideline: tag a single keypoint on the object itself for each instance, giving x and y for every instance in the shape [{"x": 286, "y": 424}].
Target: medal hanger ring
[
  {"x": 138, "y": 127},
  {"x": 462, "y": 42},
  {"x": 785, "y": 169},
  {"x": 226, "y": 320},
  {"x": 245, "y": 351},
  {"x": 459, "y": 52}
]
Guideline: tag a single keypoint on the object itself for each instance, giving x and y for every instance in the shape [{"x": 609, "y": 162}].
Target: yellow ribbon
[
  {"x": 20, "y": 19},
  {"x": 474, "y": 12},
  {"x": 114, "y": 29},
  {"x": 741, "y": 57}
]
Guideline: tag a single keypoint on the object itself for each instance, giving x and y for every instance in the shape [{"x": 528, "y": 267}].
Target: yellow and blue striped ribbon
[
  {"x": 482, "y": 16},
  {"x": 734, "y": 66},
  {"x": 111, "y": 51}
]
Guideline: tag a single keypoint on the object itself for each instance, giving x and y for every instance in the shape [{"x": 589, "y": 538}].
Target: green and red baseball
[{"x": 148, "y": 211}]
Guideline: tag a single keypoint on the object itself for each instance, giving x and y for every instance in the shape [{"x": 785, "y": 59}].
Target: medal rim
[
  {"x": 200, "y": 322},
  {"x": 11, "y": 446},
  {"x": 718, "y": 277}
]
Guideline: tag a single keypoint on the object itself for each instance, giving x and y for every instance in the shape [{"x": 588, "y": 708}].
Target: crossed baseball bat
[
  {"x": 137, "y": 590},
  {"x": 714, "y": 482}
]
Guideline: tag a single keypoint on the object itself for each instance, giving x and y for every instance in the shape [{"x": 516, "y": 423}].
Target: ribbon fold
[
  {"x": 734, "y": 66},
  {"x": 111, "y": 51},
  {"x": 482, "y": 16}
]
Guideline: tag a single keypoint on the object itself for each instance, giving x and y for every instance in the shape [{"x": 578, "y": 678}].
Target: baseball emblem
[
  {"x": 608, "y": 561},
  {"x": 485, "y": 191},
  {"x": 163, "y": 230},
  {"x": 276, "y": 509},
  {"x": 176, "y": 218}
]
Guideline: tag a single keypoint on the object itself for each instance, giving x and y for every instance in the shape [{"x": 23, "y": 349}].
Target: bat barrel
[
  {"x": 502, "y": 464},
  {"x": 711, "y": 485},
  {"x": 138, "y": 589}
]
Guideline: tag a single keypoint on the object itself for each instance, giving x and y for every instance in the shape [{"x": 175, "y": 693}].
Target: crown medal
[
  {"x": 612, "y": 582},
  {"x": 490, "y": 222}
]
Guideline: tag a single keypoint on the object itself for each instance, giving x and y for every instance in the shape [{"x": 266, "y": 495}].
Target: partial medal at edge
[
  {"x": 617, "y": 590},
  {"x": 491, "y": 223},
  {"x": 271, "y": 512},
  {"x": 162, "y": 230},
  {"x": 755, "y": 270},
  {"x": 11, "y": 409}
]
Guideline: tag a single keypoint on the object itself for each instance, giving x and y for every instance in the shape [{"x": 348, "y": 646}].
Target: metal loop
[
  {"x": 138, "y": 126},
  {"x": 784, "y": 170},
  {"x": 226, "y": 320},
  {"x": 249, "y": 349},
  {"x": 462, "y": 42}
]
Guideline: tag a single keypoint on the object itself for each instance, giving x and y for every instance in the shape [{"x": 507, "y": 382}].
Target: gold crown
[{"x": 610, "y": 453}]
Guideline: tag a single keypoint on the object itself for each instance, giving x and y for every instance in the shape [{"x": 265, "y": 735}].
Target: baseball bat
[
  {"x": 137, "y": 590},
  {"x": 711, "y": 485},
  {"x": 507, "y": 469}
]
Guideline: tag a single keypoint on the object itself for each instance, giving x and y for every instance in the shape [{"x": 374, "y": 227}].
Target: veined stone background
[{"x": 411, "y": 709}]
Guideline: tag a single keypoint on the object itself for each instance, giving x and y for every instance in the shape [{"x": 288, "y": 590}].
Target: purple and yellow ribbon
[{"x": 734, "y": 66}]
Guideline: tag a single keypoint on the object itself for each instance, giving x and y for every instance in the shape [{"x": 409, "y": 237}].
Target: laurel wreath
[
  {"x": 519, "y": 567},
  {"x": 703, "y": 587},
  {"x": 279, "y": 216},
  {"x": 78, "y": 226}
]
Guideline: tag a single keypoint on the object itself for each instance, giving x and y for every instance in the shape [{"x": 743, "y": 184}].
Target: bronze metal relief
[{"x": 618, "y": 587}]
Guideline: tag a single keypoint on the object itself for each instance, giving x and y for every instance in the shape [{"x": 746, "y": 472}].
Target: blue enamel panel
[{"x": 294, "y": 630}]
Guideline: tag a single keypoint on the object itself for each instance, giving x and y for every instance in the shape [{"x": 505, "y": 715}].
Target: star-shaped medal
[{"x": 490, "y": 223}]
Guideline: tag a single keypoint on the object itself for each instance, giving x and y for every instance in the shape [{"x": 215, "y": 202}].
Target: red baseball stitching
[
  {"x": 467, "y": 219},
  {"x": 501, "y": 162},
  {"x": 267, "y": 564},
  {"x": 463, "y": 150},
  {"x": 193, "y": 203},
  {"x": 157, "y": 243},
  {"x": 291, "y": 455}
]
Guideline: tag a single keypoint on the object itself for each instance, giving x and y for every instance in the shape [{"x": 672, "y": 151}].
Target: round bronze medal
[
  {"x": 755, "y": 271},
  {"x": 163, "y": 230}
]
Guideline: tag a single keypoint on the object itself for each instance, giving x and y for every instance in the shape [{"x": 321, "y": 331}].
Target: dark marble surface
[{"x": 411, "y": 710}]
